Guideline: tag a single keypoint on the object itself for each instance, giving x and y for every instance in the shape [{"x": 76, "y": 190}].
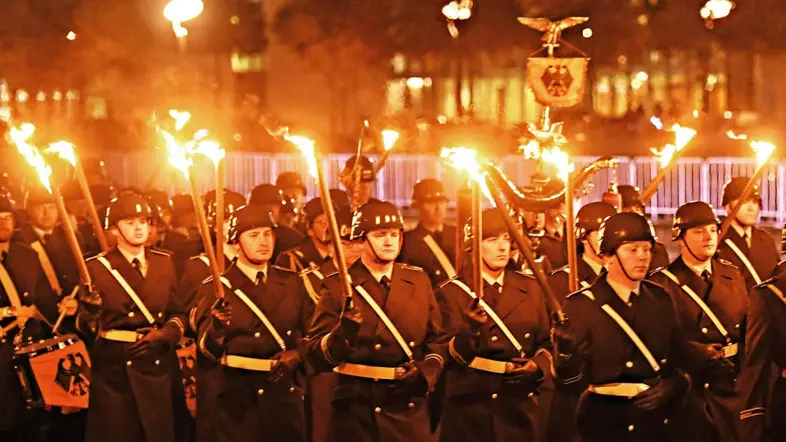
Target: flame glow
[
  {"x": 734, "y": 136},
  {"x": 560, "y": 159},
  {"x": 64, "y": 150},
  {"x": 467, "y": 160},
  {"x": 211, "y": 149},
  {"x": 307, "y": 147},
  {"x": 531, "y": 150},
  {"x": 181, "y": 153},
  {"x": 763, "y": 151},
  {"x": 178, "y": 155},
  {"x": 389, "y": 138},
  {"x": 20, "y": 136},
  {"x": 682, "y": 136}
]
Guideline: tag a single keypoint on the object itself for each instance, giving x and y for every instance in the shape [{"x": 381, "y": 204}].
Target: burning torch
[
  {"x": 389, "y": 138},
  {"x": 667, "y": 157}
]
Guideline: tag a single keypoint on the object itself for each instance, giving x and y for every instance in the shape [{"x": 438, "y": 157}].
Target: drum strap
[
  {"x": 744, "y": 260},
  {"x": 46, "y": 264},
  {"x": 258, "y": 312},
  {"x": 492, "y": 314},
  {"x": 386, "y": 320},
  {"x": 440, "y": 255},
  {"x": 700, "y": 302},
  {"x": 129, "y": 290},
  {"x": 10, "y": 288},
  {"x": 628, "y": 331}
]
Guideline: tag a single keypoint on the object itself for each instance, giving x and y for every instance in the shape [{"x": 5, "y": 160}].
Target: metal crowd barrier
[{"x": 690, "y": 179}]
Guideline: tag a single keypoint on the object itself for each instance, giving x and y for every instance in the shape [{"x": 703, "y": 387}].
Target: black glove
[
  {"x": 564, "y": 337},
  {"x": 476, "y": 317},
  {"x": 666, "y": 391},
  {"x": 155, "y": 339},
  {"x": 349, "y": 323},
  {"x": 524, "y": 372},
  {"x": 89, "y": 299},
  {"x": 287, "y": 361},
  {"x": 220, "y": 317}
]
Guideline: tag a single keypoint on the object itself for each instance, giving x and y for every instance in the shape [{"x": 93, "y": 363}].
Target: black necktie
[
  {"x": 747, "y": 239},
  {"x": 385, "y": 282},
  {"x": 707, "y": 276},
  {"x": 138, "y": 266},
  {"x": 491, "y": 293},
  {"x": 260, "y": 278},
  {"x": 632, "y": 298},
  {"x": 45, "y": 239}
]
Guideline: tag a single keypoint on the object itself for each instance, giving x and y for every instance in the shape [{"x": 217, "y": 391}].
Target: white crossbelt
[
  {"x": 367, "y": 371},
  {"x": 129, "y": 290},
  {"x": 246, "y": 363},
  {"x": 385, "y": 320},
  {"x": 490, "y": 365},
  {"x": 628, "y": 331},
  {"x": 619, "y": 389},
  {"x": 119, "y": 335},
  {"x": 10, "y": 288},
  {"x": 744, "y": 260},
  {"x": 700, "y": 302},
  {"x": 46, "y": 265},
  {"x": 440, "y": 255},
  {"x": 259, "y": 314}
]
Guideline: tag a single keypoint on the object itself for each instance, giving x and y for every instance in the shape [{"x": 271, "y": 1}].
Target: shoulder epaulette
[
  {"x": 578, "y": 292},
  {"x": 657, "y": 270},
  {"x": 298, "y": 253},
  {"x": 283, "y": 269},
  {"x": 727, "y": 263},
  {"x": 525, "y": 273},
  {"x": 96, "y": 257},
  {"x": 565, "y": 269},
  {"x": 411, "y": 267},
  {"x": 160, "y": 252}
]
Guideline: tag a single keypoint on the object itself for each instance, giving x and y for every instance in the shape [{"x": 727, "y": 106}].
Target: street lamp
[
  {"x": 180, "y": 11},
  {"x": 715, "y": 10}
]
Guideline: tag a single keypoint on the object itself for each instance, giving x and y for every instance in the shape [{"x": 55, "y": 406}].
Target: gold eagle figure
[{"x": 552, "y": 30}]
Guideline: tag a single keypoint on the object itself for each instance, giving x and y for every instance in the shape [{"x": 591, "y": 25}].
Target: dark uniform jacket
[
  {"x": 31, "y": 285},
  {"x": 286, "y": 240},
  {"x": 558, "y": 279},
  {"x": 762, "y": 254},
  {"x": 364, "y": 410},
  {"x": 727, "y": 298},
  {"x": 763, "y": 380},
  {"x": 416, "y": 252},
  {"x": 554, "y": 249},
  {"x": 182, "y": 248},
  {"x": 248, "y": 407},
  {"x": 472, "y": 396},
  {"x": 606, "y": 355},
  {"x": 134, "y": 399},
  {"x": 59, "y": 253},
  {"x": 196, "y": 270},
  {"x": 660, "y": 256},
  {"x": 301, "y": 257}
]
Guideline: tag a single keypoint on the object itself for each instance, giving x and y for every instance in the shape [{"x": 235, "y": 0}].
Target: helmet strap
[
  {"x": 622, "y": 266},
  {"x": 377, "y": 259}
]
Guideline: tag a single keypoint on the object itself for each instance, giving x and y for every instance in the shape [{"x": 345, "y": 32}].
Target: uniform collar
[
  {"x": 130, "y": 258},
  {"x": 743, "y": 231},
  {"x": 701, "y": 267},
  {"x": 622, "y": 291},
  {"x": 377, "y": 275},
  {"x": 40, "y": 233},
  {"x": 491, "y": 281},
  {"x": 597, "y": 268},
  {"x": 251, "y": 272},
  {"x": 230, "y": 252}
]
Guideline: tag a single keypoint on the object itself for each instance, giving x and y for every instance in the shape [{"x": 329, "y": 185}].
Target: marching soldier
[
  {"x": 743, "y": 237},
  {"x": 182, "y": 239},
  {"x": 360, "y": 194},
  {"x": 161, "y": 199},
  {"x": 501, "y": 348},
  {"x": 270, "y": 198},
  {"x": 623, "y": 340},
  {"x": 431, "y": 245},
  {"x": 317, "y": 248},
  {"x": 631, "y": 202},
  {"x": 25, "y": 290},
  {"x": 77, "y": 205},
  {"x": 590, "y": 265},
  {"x": 385, "y": 343},
  {"x": 762, "y": 382},
  {"x": 136, "y": 318},
  {"x": 255, "y": 332},
  {"x": 712, "y": 290}
]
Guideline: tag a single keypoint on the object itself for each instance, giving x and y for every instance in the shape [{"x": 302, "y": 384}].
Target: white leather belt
[
  {"x": 730, "y": 350},
  {"x": 618, "y": 389},
  {"x": 368, "y": 371},
  {"x": 489, "y": 365},
  {"x": 245, "y": 363},
  {"x": 119, "y": 335}
]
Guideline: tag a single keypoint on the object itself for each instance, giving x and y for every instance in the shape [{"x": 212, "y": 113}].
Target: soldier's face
[
  {"x": 319, "y": 229},
  {"x": 749, "y": 212},
  {"x": 43, "y": 216},
  {"x": 591, "y": 242},
  {"x": 495, "y": 251},
  {"x": 6, "y": 226},
  {"x": 257, "y": 244},
  {"x": 132, "y": 231},
  {"x": 385, "y": 244},
  {"x": 702, "y": 241},
  {"x": 433, "y": 212},
  {"x": 632, "y": 260}
]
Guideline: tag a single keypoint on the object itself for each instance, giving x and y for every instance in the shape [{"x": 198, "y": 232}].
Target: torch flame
[
  {"x": 389, "y": 138},
  {"x": 181, "y": 118},
  {"x": 181, "y": 153},
  {"x": 212, "y": 150},
  {"x": 306, "y": 146},
  {"x": 734, "y": 136},
  {"x": 32, "y": 155},
  {"x": 531, "y": 150},
  {"x": 763, "y": 151},
  {"x": 466, "y": 159},
  {"x": 64, "y": 150},
  {"x": 178, "y": 154},
  {"x": 560, "y": 159},
  {"x": 683, "y": 136}
]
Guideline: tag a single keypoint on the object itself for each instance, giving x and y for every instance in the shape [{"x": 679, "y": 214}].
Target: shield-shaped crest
[{"x": 557, "y": 82}]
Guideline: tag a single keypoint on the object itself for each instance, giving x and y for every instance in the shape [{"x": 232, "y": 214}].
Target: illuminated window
[
  {"x": 242, "y": 63},
  {"x": 96, "y": 108}
]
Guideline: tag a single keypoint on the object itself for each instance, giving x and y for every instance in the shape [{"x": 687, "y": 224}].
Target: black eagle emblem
[
  {"x": 557, "y": 80},
  {"x": 73, "y": 374}
]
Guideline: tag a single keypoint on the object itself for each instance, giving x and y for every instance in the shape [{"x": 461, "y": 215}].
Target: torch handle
[
  {"x": 570, "y": 237},
  {"x": 335, "y": 234},
  {"x": 382, "y": 160},
  {"x": 652, "y": 187},
  {"x": 477, "y": 238},
  {"x": 71, "y": 238},
  {"x": 220, "y": 240},
  {"x": 204, "y": 231},
  {"x": 98, "y": 228},
  {"x": 525, "y": 247},
  {"x": 735, "y": 208}
]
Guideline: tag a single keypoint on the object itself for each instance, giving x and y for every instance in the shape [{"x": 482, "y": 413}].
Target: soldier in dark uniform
[
  {"x": 365, "y": 187},
  {"x": 23, "y": 287},
  {"x": 590, "y": 265},
  {"x": 553, "y": 245},
  {"x": 622, "y": 338},
  {"x": 762, "y": 382},
  {"x": 161, "y": 199},
  {"x": 497, "y": 367},
  {"x": 743, "y": 237},
  {"x": 431, "y": 245},
  {"x": 182, "y": 239},
  {"x": 77, "y": 205},
  {"x": 136, "y": 317},
  {"x": 385, "y": 369},
  {"x": 255, "y": 332},
  {"x": 294, "y": 192},
  {"x": 631, "y": 202},
  {"x": 269, "y": 197},
  {"x": 710, "y": 300},
  {"x": 316, "y": 249}
]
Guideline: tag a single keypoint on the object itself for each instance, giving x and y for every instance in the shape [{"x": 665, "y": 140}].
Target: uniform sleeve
[
  {"x": 568, "y": 367},
  {"x": 451, "y": 310},
  {"x": 89, "y": 305},
  {"x": 188, "y": 292},
  {"x": 326, "y": 317},
  {"x": 176, "y": 309},
  {"x": 543, "y": 355},
  {"x": 208, "y": 343},
  {"x": 436, "y": 337},
  {"x": 756, "y": 374},
  {"x": 306, "y": 315}
]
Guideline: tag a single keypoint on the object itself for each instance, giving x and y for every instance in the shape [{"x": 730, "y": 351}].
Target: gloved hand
[
  {"x": 68, "y": 306},
  {"x": 220, "y": 317},
  {"x": 663, "y": 393},
  {"x": 155, "y": 339},
  {"x": 522, "y": 371},
  {"x": 90, "y": 299},
  {"x": 476, "y": 316},
  {"x": 287, "y": 361},
  {"x": 349, "y": 323},
  {"x": 564, "y": 337}
]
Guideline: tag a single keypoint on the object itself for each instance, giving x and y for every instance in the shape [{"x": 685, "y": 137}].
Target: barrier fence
[{"x": 689, "y": 180}]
